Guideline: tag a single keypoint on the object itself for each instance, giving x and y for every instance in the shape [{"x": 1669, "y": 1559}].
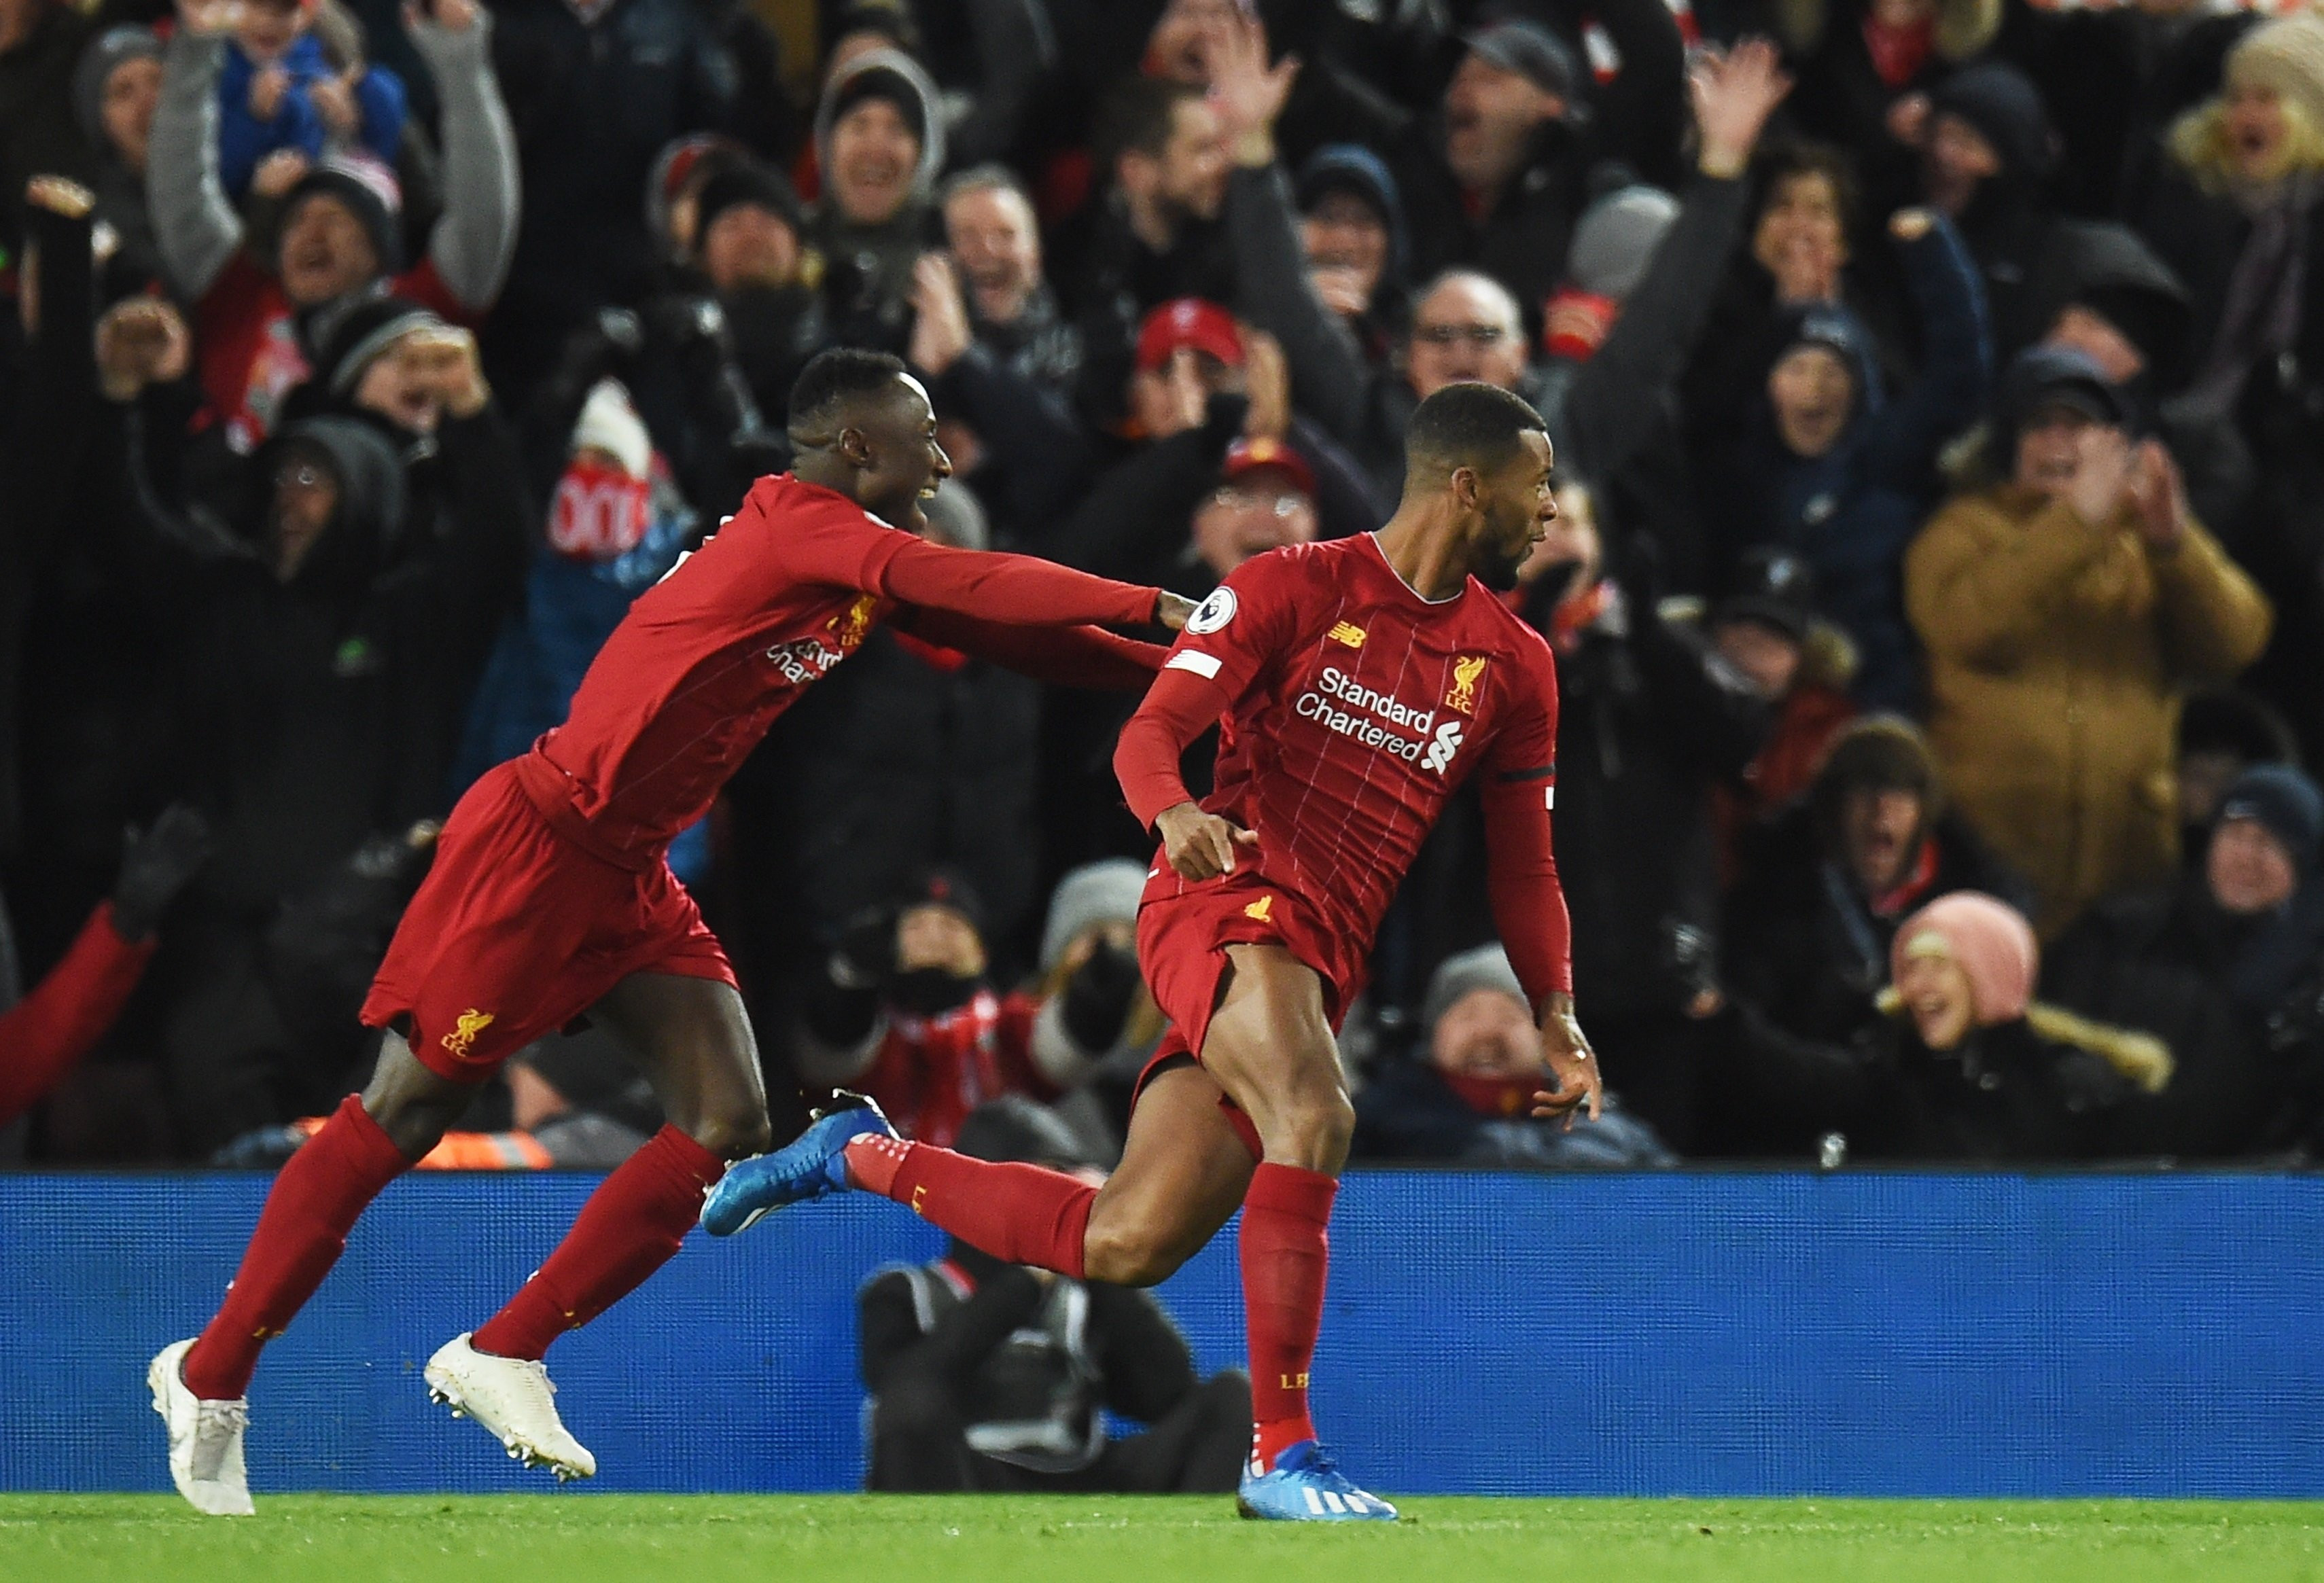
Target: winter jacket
[
  {"x": 39, "y": 135},
  {"x": 1808, "y": 951},
  {"x": 2043, "y": 1088},
  {"x": 1640, "y": 117},
  {"x": 1649, "y": 721},
  {"x": 1014, "y": 387},
  {"x": 85, "y": 627},
  {"x": 1613, "y": 417},
  {"x": 312, "y": 718},
  {"x": 592, "y": 104},
  {"x": 908, "y": 756},
  {"x": 244, "y": 334},
  {"x": 1031, "y": 1362},
  {"x": 1135, "y": 523},
  {"x": 868, "y": 268},
  {"x": 2233, "y": 998},
  {"x": 244, "y": 142},
  {"x": 1251, "y": 259},
  {"x": 1409, "y": 1112},
  {"x": 1840, "y": 99},
  {"x": 1853, "y": 511},
  {"x": 2056, "y": 657},
  {"x": 2279, "y": 413}
]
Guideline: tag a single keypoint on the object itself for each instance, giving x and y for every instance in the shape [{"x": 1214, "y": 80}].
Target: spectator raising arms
[
  {"x": 2063, "y": 611},
  {"x": 339, "y": 227}
]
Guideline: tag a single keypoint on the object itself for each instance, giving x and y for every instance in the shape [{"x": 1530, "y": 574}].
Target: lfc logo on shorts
[
  {"x": 1467, "y": 671},
  {"x": 464, "y": 1029},
  {"x": 849, "y": 628},
  {"x": 1259, "y": 908}
]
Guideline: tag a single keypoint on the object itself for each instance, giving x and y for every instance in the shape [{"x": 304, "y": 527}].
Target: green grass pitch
[{"x": 778, "y": 1538}]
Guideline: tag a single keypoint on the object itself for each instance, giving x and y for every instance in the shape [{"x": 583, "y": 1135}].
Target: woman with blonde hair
[
  {"x": 1965, "y": 1064},
  {"x": 2239, "y": 215}
]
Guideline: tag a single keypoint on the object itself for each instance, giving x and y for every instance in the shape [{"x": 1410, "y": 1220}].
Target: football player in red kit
[
  {"x": 1355, "y": 684},
  {"x": 549, "y": 900}
]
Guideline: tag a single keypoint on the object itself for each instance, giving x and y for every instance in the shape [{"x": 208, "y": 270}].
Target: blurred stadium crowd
[{"x": 1941, "y": 429}]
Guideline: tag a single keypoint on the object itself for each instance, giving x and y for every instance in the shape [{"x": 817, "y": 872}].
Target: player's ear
[
  {"x": 855, "y": 446},
  {"x": 1467, "y": 487}
]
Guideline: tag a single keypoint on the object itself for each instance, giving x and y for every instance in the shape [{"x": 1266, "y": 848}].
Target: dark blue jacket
[{"x": 1853, "y": 511}]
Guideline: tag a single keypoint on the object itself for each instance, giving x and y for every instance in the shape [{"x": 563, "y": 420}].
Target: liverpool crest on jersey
[{"x": 1468, "y": 670}]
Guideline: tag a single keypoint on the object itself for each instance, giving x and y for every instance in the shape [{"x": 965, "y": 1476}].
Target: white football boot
[
  {"x": 512, "y": 1399},
  {"x": 205, "y": 1438}
]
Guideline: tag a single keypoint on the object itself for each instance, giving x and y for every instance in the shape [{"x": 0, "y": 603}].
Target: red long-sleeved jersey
[
  {"x": 789, "y": 587},
  {"x": 1349, "y": 710}
]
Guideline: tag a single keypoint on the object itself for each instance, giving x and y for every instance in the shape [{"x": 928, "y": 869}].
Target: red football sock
[
  {"x": 630, "y": 1227},
  {"x": 1286, "y": 1254},
  {"x": 301, "y": 1232},
  {"x": 1019, "y": 1214}
]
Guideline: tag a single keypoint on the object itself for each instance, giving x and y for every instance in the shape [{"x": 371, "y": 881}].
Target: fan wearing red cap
[
  {"x": 1188, "y": 351},
  {"x": 1266, "y": 499}
]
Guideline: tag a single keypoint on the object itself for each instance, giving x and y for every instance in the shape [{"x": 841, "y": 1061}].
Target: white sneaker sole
[{"x": 445, "y": 1391}]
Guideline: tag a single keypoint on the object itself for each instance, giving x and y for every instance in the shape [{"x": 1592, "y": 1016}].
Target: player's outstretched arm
[
  {"x": 1180, "y": 706},
  {"x": 1020, "y": 590},
  {"x": 1067, "y": 657}
]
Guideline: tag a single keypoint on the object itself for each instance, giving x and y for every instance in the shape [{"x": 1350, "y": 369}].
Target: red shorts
[
  {"x": 1182, "y": 945},
  {"x": 516, "y": 933}
]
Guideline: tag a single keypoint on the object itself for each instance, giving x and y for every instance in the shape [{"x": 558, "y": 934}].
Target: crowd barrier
[{"x": 1689, "y": 1333}]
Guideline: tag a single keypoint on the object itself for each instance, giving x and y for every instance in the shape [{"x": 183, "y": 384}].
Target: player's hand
[
  {"x": 1174, "y": 611},
  {"x": 1199, "y": 845},
  {"x": 1571, "y": 1060}
]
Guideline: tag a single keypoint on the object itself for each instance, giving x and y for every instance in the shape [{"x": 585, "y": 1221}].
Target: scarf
[{"x": 2261, "y": 317}]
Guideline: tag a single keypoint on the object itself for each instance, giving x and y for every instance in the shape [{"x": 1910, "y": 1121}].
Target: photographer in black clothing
[{"x": 990, "y": 1376}]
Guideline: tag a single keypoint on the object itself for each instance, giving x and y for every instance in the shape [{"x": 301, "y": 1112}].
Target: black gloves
[{"x": 155, "y": 866}]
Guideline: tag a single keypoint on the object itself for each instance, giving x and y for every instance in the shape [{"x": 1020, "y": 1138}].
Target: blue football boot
[
  {"x": 1304, "y": 1486},
  {"x": 811, "y": 1165}
]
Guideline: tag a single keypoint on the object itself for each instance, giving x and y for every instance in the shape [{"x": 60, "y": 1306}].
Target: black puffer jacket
[
  {"x": 1806, "y": 952},
  {"x": 2008, "y": 1093},
  {"x": 895, "y": 763},
  {"x": 2233, "y": 998},
  {"x": 1648, "y": 720}
]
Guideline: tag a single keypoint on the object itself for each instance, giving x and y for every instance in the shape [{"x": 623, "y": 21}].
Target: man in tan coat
[{"x": 2063, "y": 611}]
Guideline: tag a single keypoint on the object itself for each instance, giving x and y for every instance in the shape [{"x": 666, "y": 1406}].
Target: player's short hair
[
  {"x": 1468, "y": 425},
  {"x": 1138, "y": 116},
  {"x": 833, "y": 378}
]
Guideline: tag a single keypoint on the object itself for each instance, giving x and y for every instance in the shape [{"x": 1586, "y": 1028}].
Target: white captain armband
[{"x": 1205, "y": 665}]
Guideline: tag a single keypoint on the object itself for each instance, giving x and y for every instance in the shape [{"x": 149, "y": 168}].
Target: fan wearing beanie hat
[
  {"x": 338, "y": 229},
  {"x": 747, "y": 225},
  {"x": 2264, "y": 846},
  {"x": 2242, "y": 136},
  {"x": 1965, "y": 965}
]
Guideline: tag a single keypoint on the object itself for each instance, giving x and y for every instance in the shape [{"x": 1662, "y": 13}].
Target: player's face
[
  {"x": 905, "y": 463},
  {"x": 1516, "y": 506}
]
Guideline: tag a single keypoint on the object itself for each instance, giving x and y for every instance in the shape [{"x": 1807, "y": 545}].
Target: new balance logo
[
  {"x": 1347, "y": 632},
  {"x": 917, "y": 1194}
]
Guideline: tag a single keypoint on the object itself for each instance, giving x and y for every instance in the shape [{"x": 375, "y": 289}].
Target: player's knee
[
  {"x": 1130, "y": 1255},
  {"x": 734, "y": 1132},
  {"x": 414, "y": 1124},
  {"x": 1322, "y": 1121}
]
